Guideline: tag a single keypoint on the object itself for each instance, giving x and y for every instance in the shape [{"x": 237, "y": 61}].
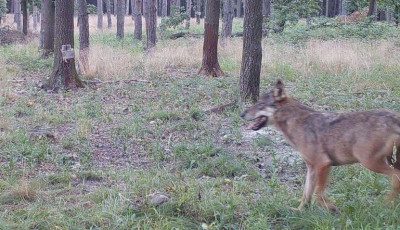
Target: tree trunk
[
  {"x": 47, "y": 28},
  {"x": 83, "y": 37},
  {"x": 227, "y": 20},
  {"x": 17, "y": 15},
  {"x": 342, "y": 7},
  {"x": 198, "y": 11},
  {"x": 35, "y": 16},
  {"x": 108, "y": 8},
  {"x": 115, "y": 7},
  {"x": 24, "y": 7},
  {"x": 100, "y": 14},
  {"x": 164, "y": 8},
  {"x": 239, "y": 8},
  {"x": 133, "y": 9},
  {"x": 252, "y": 52},
  {"x": 64, "y": 74},
  {"x": 210, "y": 65},
  {"x": 120, "y": 18},
  {"x": 327, "y": 8},
  {"x": 189, "y": 12},
  {"x": 127, "y": 7},
  {"x": 266, "y": 10},
  {"x": 138, "y": 20},
  {"x": 372, "y": 8},
  {"x": 151, "y": 22}
]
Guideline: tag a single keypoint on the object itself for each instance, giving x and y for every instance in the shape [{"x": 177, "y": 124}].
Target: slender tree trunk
[
  {"x": 164, "y": 8},
  {"x": 120, "y": 18},
  {"x": 100, "y": 14},
  {"x": 127, "y": 7},
  {"x": 17, "y": 15},
  {"x": 372, "y": 9},
  {"x": 266, "y": 10},
  {"x": 47, "y": 28},
  {"x": 239, "y": 8},
  {"x": 138, "y": 20},
  {"x": 252, "y": 52},
  {"x": 198, "y": 11},
  {"x": 25, "y": 15},
  {"x": 189, "y": 12},
  {"x": 133, "y": 9},
  {"x": 342, "y": 7},
  {"x": 64, "y": 74},
  {"x": 327, "y": 8},
  {"x": 115, "y": 7},
  {"x": 227, "y": 20},
  {"x": 151, "y": 22},
  {"x": 35, "y": 16},
  {"x": 83, "y": 36},
  {"x": 210, "y": 65},
  {"x": 109, "y": 20}
]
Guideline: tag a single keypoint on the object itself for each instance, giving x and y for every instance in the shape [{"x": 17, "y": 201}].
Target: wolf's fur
[{"x": 331, "y": 139}]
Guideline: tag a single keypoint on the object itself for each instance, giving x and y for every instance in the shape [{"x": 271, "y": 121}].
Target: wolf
[{"x": 323, "y": 139}]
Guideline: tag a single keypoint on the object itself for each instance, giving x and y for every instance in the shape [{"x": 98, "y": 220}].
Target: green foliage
[
  {"x": 91, "y": 9},
  {"x": 325, "y": 28},
  {"x": 293, "y": 10},
  {"x": 176, "y": 18}
]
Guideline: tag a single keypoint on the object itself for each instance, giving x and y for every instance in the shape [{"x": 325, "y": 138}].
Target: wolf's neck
[{"x": 290, "y": 117}]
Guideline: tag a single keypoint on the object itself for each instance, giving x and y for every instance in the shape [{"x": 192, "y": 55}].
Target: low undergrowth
[{"x": 92, "y": 159}]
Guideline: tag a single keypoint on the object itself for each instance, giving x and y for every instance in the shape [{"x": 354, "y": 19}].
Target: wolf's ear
[{"x": 279, "y": 91}]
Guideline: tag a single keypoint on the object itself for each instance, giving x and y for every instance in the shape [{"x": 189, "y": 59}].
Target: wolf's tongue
[{"x": 259, "y": 123}]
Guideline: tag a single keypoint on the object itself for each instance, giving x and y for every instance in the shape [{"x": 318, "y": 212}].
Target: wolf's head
[{"x": 262, "y": 112}]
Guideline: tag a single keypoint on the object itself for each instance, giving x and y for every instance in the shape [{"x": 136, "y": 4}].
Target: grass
[{"x": 90, "y": 159}]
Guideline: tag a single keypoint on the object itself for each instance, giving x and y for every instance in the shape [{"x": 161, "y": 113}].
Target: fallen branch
[{"x": 98, "y": 81}]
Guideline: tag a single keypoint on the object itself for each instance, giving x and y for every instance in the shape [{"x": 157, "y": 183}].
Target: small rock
[{"x": 159, "y": 198}]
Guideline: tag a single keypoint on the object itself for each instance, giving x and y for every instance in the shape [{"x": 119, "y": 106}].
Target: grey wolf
[{"x": 323, "y": 139}]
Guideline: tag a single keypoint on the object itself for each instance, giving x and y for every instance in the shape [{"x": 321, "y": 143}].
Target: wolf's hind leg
[
  {"x": 382, "y": 166},
  {"x": 322, "y": 177}
]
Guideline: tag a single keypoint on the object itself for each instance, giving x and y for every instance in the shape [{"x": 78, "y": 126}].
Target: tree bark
[
  {"x": 239, "y": 8},
  {"x": 151, "y": 22},
  {"x": 115, "y": 7},
  {"x": 198, "y": 11},
  {"x": 25, "y": 15},
  {"x": 100, "y": 14},
  {"x": 138, "y": 20},
  {"x": 210, "y": 65},
  {"x": 164, "y": 8},
  {"x": 252, "y": 52},
  {"x": 17, "y": 15},
  {"x": 64, "y": 74},
  {"x": 120, "y": 18},
  {"x": 189, "y": 12},
  {"x": 83, "y": 37},
  {"x": 47, "y": 28},
  {"x": 133, "y": 9},
  {"x": 227, "y": 20},
  {"x": 127, "y": 7},
  {"x": 35, "y": 16},
  {"x": 372, "y": 8},
  {"x": 266, "y": 10},
  {"x": 109, "y": 19},
  {"x": 327, "y": 8}
]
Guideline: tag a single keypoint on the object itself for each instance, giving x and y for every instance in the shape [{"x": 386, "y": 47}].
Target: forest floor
[{"x": 100, "y": 157}]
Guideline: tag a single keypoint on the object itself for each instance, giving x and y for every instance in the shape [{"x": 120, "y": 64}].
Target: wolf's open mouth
[{"x": 259, "y": 123}]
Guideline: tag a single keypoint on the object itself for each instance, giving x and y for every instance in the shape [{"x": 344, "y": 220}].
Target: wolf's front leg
[{"x": 308, "y": 188}]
